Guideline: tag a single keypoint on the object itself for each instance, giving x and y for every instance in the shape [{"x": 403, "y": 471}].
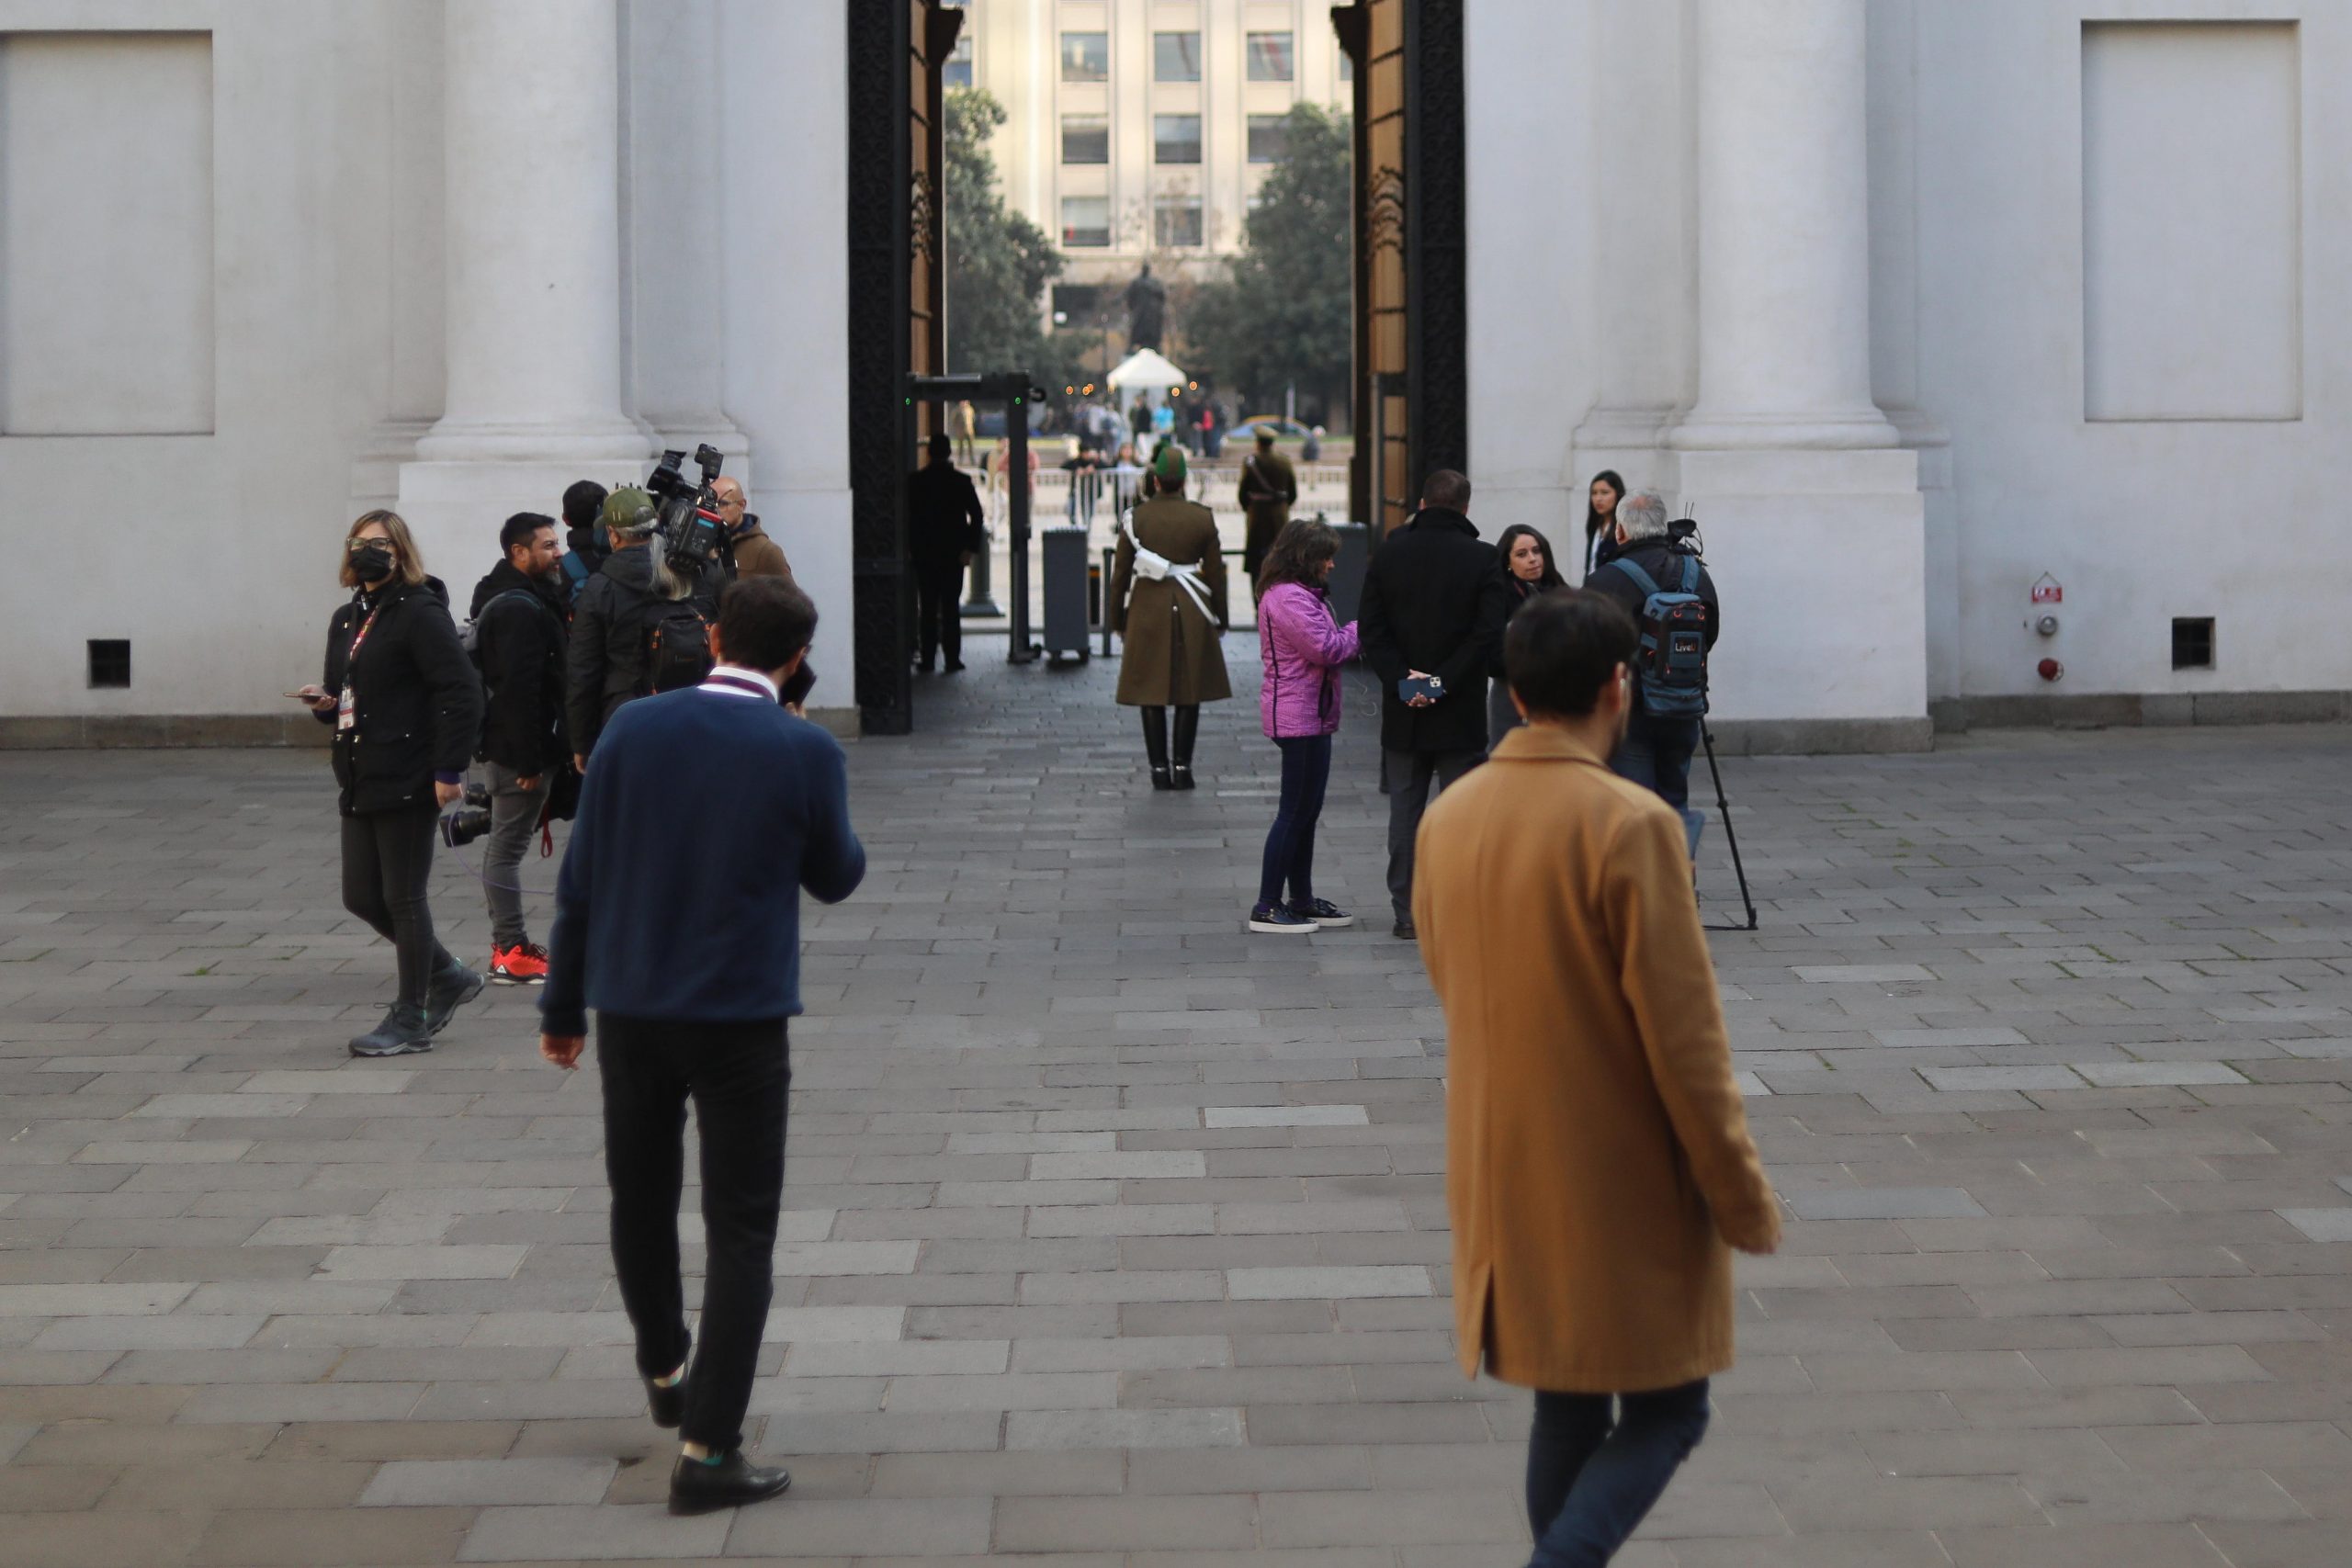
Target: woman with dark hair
[
  {"x": 1600, "y": 519},
  {"x": 1300, "y": 649},
  {"x": 406, "y": 708},
  {"x": 1527, "y": 571}
]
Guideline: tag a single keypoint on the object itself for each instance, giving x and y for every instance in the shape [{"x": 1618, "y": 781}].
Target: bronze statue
[{"x": 1147, "y": 299}]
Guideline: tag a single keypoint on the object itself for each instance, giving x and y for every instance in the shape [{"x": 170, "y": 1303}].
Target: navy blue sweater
[{"x": 702, "y": 818}]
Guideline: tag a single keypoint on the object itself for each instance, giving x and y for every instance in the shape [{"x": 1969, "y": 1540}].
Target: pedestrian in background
[
  {"x": 584, "y": 546},
  {"x": 682, "y": 929},
  {"x": 1600, "y": 519},
  {"x": 1269, "y": 490},
  {"x": 1300, "y": 650},
  {"x": 1432, "y": 615},
  {"x": 1528, "y": 571},
  {"x": 946, "y": 531},
  {"x": 754, "y": 553},
  {"x": 1656, "y": 750},
  {"x": 405, "y": 706},
  {"x": 1598, "y": 1167},
  {"x": 1168, "y": 601},
  {"x": 520, "y": 617}
]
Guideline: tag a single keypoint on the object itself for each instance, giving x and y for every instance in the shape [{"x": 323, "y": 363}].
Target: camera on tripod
[
  {"x": 692, "y": 530},
  {"x": 461, "y": 825}
]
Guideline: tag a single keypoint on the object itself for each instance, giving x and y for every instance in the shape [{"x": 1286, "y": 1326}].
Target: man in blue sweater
[{"x": 704, "y": 813}]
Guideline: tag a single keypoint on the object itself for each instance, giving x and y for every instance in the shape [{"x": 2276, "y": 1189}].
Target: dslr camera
[
  {"x": 691, "y": 531},
  {"x": 461, "y": 825}
]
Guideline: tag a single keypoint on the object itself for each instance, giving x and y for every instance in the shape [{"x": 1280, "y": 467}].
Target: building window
[
  {"x": 958, "y": 70},
  {"x": 1176, "y": 138},
  {"x": 1175, "y": 57},
  {"x": 110, "y": 662},
  {"x": 1176, "y": 221},
  {"x": 1268, "y": 137},
  {"x": 2193, "y": 643},
  {"x": 1086, "y": 57},
  {"x": 1086, "y": 139},
  {"x": 1086, "y": 221},
  {"x": 1269, "y": 57}
]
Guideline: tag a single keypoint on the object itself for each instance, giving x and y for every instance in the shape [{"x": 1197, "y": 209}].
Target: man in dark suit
[
  {"x": 704, "y": 813},
  {"x": 945, "y": 529},
  {"x": 1434, "y": 604}
]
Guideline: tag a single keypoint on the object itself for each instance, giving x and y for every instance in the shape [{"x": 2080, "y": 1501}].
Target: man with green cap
[
  {"x": 1269, "y": 490},
  {"x": 1168, "y": 601},
  {"x": 640, "y": 626}
]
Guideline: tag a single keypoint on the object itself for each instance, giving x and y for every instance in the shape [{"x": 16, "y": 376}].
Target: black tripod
[{"x": 1707, "y": 737}]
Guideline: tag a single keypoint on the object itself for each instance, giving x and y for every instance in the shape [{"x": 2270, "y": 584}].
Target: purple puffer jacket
[{"x": 1299, "y": 653}]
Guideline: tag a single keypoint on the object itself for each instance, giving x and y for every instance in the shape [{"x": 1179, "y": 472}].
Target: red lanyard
[{"x": 351, "y": 655}]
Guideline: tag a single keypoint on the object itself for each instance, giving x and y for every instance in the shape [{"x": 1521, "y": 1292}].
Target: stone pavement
[{"x": 1117, "y": 1236}]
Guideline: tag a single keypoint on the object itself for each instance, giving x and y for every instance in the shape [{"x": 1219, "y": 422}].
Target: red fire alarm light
[{"x": 2049, "y": 669}]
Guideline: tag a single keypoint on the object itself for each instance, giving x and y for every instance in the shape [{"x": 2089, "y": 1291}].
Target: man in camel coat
[{"x": 1599, "y": 1168}]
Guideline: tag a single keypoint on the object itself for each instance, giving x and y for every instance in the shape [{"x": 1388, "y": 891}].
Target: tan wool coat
[
  {"x": 1171, "y": 655},
  {"x": 1598, "y": 1158}
]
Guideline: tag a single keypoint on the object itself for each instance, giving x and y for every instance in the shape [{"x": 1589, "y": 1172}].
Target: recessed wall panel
[
  {"x": 106, "y": 233},
  {"x": 2192, "y": 221}
]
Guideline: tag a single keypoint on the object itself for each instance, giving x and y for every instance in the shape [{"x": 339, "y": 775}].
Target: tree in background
[
  {"x": 1282, "y": 318},
  {"x": 999, "y": 263}
]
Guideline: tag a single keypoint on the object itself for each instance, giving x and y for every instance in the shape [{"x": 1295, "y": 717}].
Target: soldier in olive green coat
[
  {"x": 1172, "y": 623},
  {"x": 1269, "y": 490}
]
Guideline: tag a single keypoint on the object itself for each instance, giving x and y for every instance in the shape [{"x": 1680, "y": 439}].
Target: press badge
[{"x": 346, "y": 712}]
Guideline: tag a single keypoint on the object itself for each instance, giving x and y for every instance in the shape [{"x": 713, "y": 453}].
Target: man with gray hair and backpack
[{"x": 1664, "y": 586}]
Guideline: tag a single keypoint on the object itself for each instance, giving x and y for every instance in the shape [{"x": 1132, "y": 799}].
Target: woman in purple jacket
[{"x": 1300, "y": 650}]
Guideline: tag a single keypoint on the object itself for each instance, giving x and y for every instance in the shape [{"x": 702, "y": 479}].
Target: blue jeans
[
  {"x": 1656, "y": 754},
  {"x": 1290, "y": 842},
  {"x": 1590, "y": 1481}
]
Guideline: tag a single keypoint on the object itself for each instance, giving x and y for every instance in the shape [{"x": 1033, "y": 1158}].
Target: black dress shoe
[
  {"x": 955, "y": 667},
  {"x": 699, "y": 1488},
  {"x": 1403, "y": 929},
  {"x": 1162, "y": 779},
  {"x": 1184, "y": 779},
  {"x": 668, "y": 1404}
]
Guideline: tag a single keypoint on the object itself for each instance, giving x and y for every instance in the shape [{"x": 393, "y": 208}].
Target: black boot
[
  {"x": 1155, "y": 747},
  {"x": 1188, "y": 730},
  {"x": 699, "y": 1488}
]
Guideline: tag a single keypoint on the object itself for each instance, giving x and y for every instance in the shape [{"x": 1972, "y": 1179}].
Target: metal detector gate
[{"x": 1018, "y": 394}]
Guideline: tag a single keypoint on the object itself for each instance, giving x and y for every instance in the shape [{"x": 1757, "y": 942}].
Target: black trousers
[
  {"x": 1405, "y": 779},
  {"x": 737, "y": 1074},
  {"x": 387, "y": 865},
  {"x": 939, "y": 614}
]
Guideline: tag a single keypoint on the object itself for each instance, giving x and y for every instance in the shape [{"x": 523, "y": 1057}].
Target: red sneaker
[{"x": 523, "y": 965}]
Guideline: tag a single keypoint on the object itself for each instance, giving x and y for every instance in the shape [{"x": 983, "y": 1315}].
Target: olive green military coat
[{"x": 1171, "y": 655}]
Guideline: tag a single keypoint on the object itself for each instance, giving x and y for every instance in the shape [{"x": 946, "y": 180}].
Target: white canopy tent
[{"x": 1145, "y": 370}]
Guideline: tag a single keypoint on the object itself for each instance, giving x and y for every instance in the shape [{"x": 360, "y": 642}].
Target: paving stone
[
  {"x": 486, "y": 1483},
  {"x": 1326, "y": 1283},
  {"x": 1884, "y": 1203},
  {"x": 2321, "y": 1224},
  {"x": 643, "y": 1531}
]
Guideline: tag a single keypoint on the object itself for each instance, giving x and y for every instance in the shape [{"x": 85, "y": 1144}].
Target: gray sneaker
[
  {"x": 451, "y": 990},
  {"x": 402, "y": 1033}
]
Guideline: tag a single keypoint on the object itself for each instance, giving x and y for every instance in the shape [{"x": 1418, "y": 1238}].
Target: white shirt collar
[{"x": 734, "y": 681}]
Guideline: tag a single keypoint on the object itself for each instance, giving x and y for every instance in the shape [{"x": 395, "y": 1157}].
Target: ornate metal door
[{"x": 1411, "y": 383}]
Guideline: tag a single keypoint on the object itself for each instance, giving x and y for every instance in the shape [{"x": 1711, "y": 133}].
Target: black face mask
[{"x": 372, "y": 562}]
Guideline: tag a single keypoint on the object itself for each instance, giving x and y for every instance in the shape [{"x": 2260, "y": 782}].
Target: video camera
[
  {"x": 1682, "y": 537},
  {"x": 692, "y": 530}
]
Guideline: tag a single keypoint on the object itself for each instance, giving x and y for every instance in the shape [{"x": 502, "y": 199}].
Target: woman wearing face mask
[
  {"x": 405, "y": 706},
  {"x": 1528, "y": 570}
]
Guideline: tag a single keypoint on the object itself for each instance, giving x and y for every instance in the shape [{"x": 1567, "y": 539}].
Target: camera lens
[
  {"x": 477, "y": 795},
  {"x": 462, "y": 826}
]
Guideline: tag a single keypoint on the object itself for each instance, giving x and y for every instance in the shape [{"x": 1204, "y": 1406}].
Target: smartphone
[
  {"x": 1432, "y": 687},
  {"x": 301, "y": 696}
]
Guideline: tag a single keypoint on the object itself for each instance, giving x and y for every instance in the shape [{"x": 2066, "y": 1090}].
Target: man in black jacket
[
  {"x": 612, "y": 622},
  {"x": 944, "y": 531},
  {"x": 1656, "y": 752},
  {"x": 1434, "y": 607},
  {"x": 519, "y": 615}
]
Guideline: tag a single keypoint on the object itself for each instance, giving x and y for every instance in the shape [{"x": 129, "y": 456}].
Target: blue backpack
[
  {"x": 1671, "y": 668},
  {"x": 575, "y": 573}
]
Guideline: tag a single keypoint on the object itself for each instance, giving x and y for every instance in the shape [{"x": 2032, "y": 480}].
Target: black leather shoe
[
  {"x": 668, "y": 1404},
  {"x": 1162, "y": 779},
  {"x": 1403, "y": 929},
  {"x": 1183, "y": 777},
  {"x": 699, "y": 1488},
  {"x": 451, "y": 990},
  {"x": 955, "y": 667},
  {"x": 402, "y": 1033}
]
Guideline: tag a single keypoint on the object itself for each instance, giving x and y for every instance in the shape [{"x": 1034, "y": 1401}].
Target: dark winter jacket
[
  {"x": 1434, "y": 600},
  {"x": 1665, "y": 568},
  {"x": 416, "y": 702},
  {"x": 520, "y": 626},
  {"x": 607, "y": 660},
  {"x": 944, "y": 516}
]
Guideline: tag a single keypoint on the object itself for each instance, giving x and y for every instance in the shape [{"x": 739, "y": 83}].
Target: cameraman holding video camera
[
  {"x": 638, "y": 611},
  {"x": 520, "y": 615}
]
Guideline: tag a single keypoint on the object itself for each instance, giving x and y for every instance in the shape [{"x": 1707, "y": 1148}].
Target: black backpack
[{"x": 677, "y": 647}]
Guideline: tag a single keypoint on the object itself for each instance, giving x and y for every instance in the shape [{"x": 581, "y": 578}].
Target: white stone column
[
  {"x": 1784, "y": 296},
  {"x": 533, "y": 234}
]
